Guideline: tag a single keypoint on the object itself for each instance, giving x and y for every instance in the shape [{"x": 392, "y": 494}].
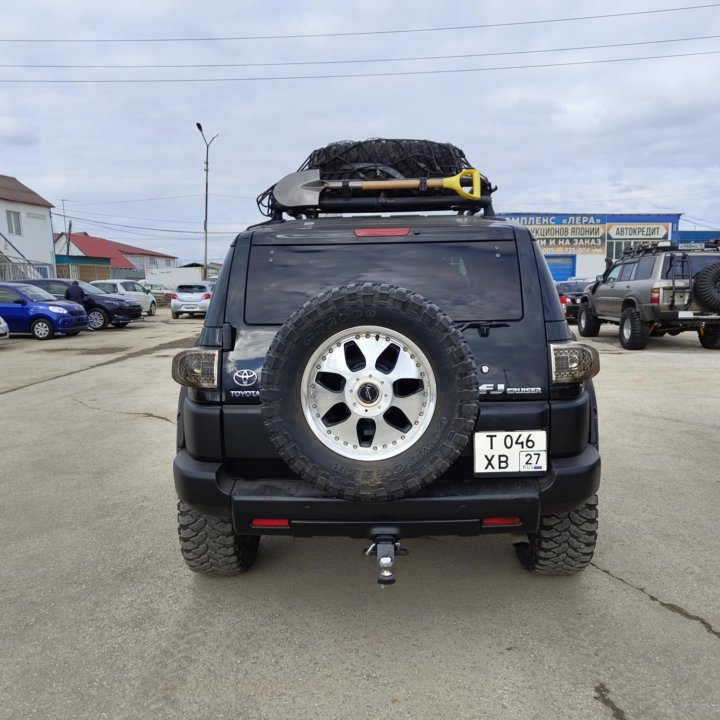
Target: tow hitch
[{"x": 385, "y": 548}]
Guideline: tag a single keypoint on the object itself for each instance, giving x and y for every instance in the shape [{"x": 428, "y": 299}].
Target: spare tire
[
  {"x": 370, "y": 392},
  {"x": 707, "y": 287}
]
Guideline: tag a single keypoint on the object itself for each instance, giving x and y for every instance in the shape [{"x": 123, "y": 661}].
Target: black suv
[
  {"x": 102, "y": 308},
  {"x": 386, "y": 378},
  {"x": 656, "y": 289}
]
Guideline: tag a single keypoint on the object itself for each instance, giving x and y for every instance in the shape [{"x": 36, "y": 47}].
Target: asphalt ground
[{"x": 99, "y": 618}]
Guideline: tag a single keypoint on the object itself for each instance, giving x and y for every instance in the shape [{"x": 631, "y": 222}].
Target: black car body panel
[{"x": 226, "y": 464}]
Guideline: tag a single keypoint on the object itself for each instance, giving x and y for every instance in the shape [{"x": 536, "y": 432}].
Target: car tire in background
[
  {"x": 370, "y": 392},
  {"x": 153, "y": 309},
  {"x": 42, "y": 329},
  {"x": 97, "y": 319},
  {"x": 175, "y": 315},
  {"x": 588, "y": 324},
  {"x": 120, "y": 325},
  {"x": 710, "y": 337},
  {"x": 634, "y": 332},
  {"x": 707, "y": 287}
]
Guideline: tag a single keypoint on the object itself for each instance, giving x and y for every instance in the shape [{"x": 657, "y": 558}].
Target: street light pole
[{"x": 207, "y": 169}]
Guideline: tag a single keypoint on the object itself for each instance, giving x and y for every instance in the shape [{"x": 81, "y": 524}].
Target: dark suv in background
[{"x": 102, "y": 308}]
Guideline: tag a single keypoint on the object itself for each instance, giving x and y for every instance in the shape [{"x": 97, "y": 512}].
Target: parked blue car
[{"x": 30, "y": 310}]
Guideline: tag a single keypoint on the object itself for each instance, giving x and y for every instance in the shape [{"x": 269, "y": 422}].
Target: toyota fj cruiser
[
  {"x": 654, "y": 289},
  {"x": 386, "y": 378}
]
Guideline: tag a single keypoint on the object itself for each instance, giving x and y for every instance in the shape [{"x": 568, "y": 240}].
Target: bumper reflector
[
  {"x": 269, "y": 523},
  {"x": 500, "y": 521}
]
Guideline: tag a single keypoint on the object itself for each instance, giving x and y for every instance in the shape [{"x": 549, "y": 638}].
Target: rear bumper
[{"x": 445, "y": 508}]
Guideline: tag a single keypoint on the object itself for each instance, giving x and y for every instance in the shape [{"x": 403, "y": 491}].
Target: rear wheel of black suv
[
  {"x": 564, "y": 543},
  {"x": 370, "y": 392},
  {"x": 588, "y": 324},
  {"x": 209, "y": 544},
  {"x": 710, "y": 337},
  {"x": 634, "y": 332}
]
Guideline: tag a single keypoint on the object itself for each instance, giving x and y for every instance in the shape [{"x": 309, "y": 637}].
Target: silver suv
[{"x": 654, "y": 289}]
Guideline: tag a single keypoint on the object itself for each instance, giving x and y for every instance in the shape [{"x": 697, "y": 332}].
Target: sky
[{"x": 590, "y": 131}]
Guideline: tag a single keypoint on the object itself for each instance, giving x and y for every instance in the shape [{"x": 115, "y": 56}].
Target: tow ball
[{"x": 385, "y": 548}]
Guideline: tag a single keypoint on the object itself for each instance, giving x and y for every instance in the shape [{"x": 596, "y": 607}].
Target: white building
[{"x": 26, "y": 238}]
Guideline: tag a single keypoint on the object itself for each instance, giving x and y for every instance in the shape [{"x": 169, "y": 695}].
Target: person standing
[{"x": 75, "y": 293}]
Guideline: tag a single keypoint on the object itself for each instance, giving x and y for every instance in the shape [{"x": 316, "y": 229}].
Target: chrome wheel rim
[
  {"x": 41, "y": 330},
  {"x": 626, "y": 329},
  {"x": 95, "y": 319},
  {"x": 368, "y": 393}
]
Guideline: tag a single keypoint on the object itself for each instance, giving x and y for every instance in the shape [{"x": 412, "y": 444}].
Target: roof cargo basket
[{"x": 380, "y": 175}]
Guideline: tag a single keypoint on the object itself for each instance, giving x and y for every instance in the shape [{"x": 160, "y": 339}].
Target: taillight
[
  {"x": 564, "y": 303},
  {"x": 196, "y": 368},
  {"x": 501, "y": 521},
  {"x": 655, "y": 296},
  {"x": 573, "y": 362},
  {"x": 381, "y": 232},
  {"x": 173, "y": 296},
  {"x": 206, "y": 296}
]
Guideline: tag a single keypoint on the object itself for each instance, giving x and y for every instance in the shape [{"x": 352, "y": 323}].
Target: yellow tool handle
[{"x": 451, "y": 183}]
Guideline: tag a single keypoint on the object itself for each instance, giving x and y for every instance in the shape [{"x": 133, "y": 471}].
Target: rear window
[
  {"x": 572, "y": 287},
  {"x": 192, "y": 289},
  {"x": 468, "y": 280},
  {"x": 683, "y": 265}
]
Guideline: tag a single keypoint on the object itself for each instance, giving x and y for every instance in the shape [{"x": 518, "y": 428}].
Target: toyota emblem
[{"x": 245, "y": 377}]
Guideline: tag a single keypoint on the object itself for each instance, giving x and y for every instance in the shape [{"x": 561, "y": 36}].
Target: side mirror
[
  {"x": 19, "y": 301},
  {"x": 599, "y": 278}
]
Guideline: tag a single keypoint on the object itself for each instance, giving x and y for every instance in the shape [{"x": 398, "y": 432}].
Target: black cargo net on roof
[{"x": 382, "y": 159}]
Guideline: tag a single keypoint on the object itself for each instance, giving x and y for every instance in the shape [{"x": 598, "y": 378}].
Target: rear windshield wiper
[{"x": 483, "y": 328}]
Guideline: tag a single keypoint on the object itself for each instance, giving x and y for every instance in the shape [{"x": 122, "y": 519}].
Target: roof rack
[
  {"x": 306, "y": 194},
  {"x": 653, "y": 247}
]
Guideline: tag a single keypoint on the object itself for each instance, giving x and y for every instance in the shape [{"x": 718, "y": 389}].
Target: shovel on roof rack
[{"x": 303, "y": 189}]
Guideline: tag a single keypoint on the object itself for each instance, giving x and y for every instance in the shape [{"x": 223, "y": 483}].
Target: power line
[
  {"x": 357, "y": 33},
  {"x": 368, "y": 75},
  {"x": 355, "y": 61},
  {"x": 140, "y": 227},
  {"x": 116, "y": 202}
]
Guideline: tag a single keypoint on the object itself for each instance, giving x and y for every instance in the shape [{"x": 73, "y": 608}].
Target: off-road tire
[
  {"x": 435, "y": 448},
  {"x": 634, "y": 333},
  {"x": 42, "y": 329},
  {"x": 563, "y": 544},
  {"x": 710, "y": 337},
  {"x": 707, "y": 287},
  {"x": 209, "y": 545},
  {"x": 588, "y": 324}
]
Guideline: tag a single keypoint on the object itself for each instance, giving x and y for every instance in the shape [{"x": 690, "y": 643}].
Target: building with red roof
[{"x": 126, "y": 261}]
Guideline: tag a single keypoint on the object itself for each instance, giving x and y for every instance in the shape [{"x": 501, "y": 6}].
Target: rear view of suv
[
  {"x": 657, "y": 289},
  {"x": 387, "y": 378}
]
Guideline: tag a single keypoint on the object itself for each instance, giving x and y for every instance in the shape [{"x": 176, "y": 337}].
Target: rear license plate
[
  {"x": 190, "y": 307},
  {"x": 510, "y": 451}
]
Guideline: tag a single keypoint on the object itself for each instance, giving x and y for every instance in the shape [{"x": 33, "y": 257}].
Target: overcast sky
[{"x": 640, "y": 136}]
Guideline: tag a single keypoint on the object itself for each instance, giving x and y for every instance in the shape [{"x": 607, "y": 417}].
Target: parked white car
[
  {"x": 4, "y": 330},
  {"x": 130, "y": 290},
  {"x": 191, "y": 298}
]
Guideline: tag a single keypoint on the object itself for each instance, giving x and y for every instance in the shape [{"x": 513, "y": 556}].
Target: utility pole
[{"x": 207, "y": 171}]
